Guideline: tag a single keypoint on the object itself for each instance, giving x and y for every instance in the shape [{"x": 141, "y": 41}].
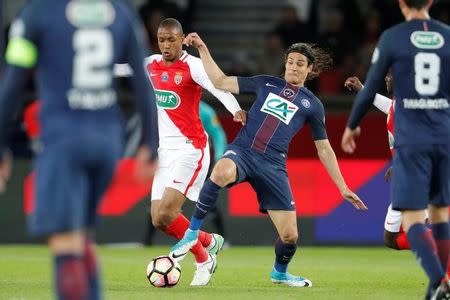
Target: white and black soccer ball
[{"x": 163, "y": 271}]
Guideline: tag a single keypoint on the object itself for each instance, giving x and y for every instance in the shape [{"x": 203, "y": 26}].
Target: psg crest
[{"x": 178, "y": 77}]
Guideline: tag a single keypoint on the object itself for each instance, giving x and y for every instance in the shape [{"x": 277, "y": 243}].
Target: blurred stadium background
[{"x": 248, "y": 37}]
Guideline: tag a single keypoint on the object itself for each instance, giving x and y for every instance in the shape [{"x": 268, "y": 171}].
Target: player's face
[
  {"x": 297, "y": 69},
  {"x": 170, "y": 42}
]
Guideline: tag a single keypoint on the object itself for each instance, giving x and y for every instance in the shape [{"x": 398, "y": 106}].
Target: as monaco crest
[{"x": 178, "y": 77}]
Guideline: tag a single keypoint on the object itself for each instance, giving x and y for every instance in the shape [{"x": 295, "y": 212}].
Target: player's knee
[
  {"x": 289, "y": 237},
  {"x": 163, "y": 218},
  {"x": 390, "y": 239},
  {"x": 223, "y": 174}
]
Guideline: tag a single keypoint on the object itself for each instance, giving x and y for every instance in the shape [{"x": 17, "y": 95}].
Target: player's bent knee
[{"x": 224, "y": 172}]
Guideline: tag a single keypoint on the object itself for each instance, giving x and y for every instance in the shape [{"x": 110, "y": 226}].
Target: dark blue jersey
[
  {"x": 278, "y": 113},
  {"x": 419, "y": 54},
  {"x": 73, "y": 45}
]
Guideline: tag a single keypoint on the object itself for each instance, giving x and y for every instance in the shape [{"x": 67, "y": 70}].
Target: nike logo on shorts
[
  {"x": 268, "y": 84},
  {"x": 176, "y": 181}
]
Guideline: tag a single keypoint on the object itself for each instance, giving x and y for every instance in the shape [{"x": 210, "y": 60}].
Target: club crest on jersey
[
  {"x": 279, "y": 107},
  {"x": 306, "y": 103},
  {"x": 167, "y": 99},
  {"x": 288, "y": 93},
  {"x": 164, "y": 77},
  {"x": 427, "y": 39},
  {"x": 178, "y": 77}
]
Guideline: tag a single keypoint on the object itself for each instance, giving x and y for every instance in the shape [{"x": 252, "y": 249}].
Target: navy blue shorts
[
  {"x": 266, "y": 174},
  {"x": 71, "y": 178},
  {"x": 421, "y": 177}
]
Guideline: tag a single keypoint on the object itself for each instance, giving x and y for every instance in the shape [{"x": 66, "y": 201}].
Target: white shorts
[
  {"x": 393, "y": 220},
  {"x": 182, "y": 169}
]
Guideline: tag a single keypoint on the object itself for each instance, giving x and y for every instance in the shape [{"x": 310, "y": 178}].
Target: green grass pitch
[{"x": 242, "y": 273}]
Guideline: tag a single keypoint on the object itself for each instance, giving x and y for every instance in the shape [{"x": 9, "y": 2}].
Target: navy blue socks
[
  {"x": 207, "y": 201},
  {"x": 283, "y": 255}
]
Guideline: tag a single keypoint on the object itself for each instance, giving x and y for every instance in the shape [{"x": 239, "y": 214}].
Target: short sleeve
[
  {"x": 249, "y": 85},
  {"x": 317, "y": 123}
]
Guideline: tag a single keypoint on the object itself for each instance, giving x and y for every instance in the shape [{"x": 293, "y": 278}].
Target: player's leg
[
  {"x": 285, "y": 248},
  {"x": 411, "y": 194},
  {"x": 438, "y": 213},
  {"x": 224, "y": 173},
  {"x": 60, "y": 212},
  {"x": 394, "y": 235},
  {"x": 179, "y": 171},
  {"x": 70, "y": 275}
]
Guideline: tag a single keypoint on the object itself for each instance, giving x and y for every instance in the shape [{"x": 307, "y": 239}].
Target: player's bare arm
[
  {"x": 328, "y": 159},
  {"x": 218, "y": 78}
]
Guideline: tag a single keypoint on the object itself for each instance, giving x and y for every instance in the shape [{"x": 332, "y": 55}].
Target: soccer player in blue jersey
[
  {"x": 258, "y": 154},
  {"x": 73, "y": 45},
  {"x": 417, "y": 52}
]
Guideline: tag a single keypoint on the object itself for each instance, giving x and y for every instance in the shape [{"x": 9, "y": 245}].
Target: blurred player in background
[
  {"x": 217, "y": 136},
  {"x": 73, "y": 45},
  {"x": 258, "y": 154},
  {"x": 178, "y": 79},
  {"x": 421, "y": 178}
]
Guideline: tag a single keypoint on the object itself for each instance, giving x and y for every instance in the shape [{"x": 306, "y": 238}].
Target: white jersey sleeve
[
  {"x": 199, "y": 75},
  {"x": 382, "y": 103}
]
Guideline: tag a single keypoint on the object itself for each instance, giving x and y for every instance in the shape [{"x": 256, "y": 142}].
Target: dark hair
[
  {"x": 417, "y": 4},
  {"x": 320, "y": 58},
  {"x": 171, "y": 22}
]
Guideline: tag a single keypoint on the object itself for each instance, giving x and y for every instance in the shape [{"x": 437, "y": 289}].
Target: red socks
[
  {"x": 177, "y": 229},
  {"x": 402, "y": 241}
]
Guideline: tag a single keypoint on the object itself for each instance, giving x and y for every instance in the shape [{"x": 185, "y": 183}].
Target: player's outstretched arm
[
  {"x": 218, "y": 78},
  {"x": 328, "y": 159}
]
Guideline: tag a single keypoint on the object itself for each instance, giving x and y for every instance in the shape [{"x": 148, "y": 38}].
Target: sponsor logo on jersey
[
  {"x": 306, "y": 103},
  {"x": 427, "y": 39},
  {"x": 90, "y": 13},
  {"x": 288, "y": 93},
  {"x": 279, "y": 107},
  {"x": 167, "y": 99},
  {"x": 165, "y": 77},
  {"x": 178, "y": 77}
]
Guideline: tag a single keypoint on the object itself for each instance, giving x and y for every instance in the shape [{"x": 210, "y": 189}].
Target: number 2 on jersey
[{"x": 93, "y": 54}]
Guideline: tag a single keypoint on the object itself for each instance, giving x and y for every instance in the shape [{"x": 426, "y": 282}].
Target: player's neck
[
  {"x": 414, "y": 14},
  {"x": 169, "y": 62}
]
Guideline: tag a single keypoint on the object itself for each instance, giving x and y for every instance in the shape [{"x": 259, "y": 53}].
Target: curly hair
[{"x": 320, "y": 58}]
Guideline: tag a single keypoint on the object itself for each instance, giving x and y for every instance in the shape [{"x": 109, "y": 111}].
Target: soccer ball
[{"x": 163, "y": 271}]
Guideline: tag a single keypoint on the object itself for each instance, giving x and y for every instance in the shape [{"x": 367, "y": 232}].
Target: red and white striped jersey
[{"x": 178, "y": 89}]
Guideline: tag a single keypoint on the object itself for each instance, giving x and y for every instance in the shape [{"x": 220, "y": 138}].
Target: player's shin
[
  {"x": 70, "y": 278},
  {"x": 90, "y": 261},
  {"x": 441, "y": 234},
  {"x": 424, "y": 247},
  {"x": 283, "y": 255},
  {"x": 206, "y": 201}
]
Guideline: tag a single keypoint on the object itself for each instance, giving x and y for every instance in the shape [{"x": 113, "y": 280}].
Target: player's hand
[
  {"x": 388, "y": 174},
  {"x": 353, "y": 199},
  {"x": 353, "y": 84},
  {"x": 193, "y": 39},
  {"x": 240, "y": 116},
  {"x": 145, "y": 166},
  {"x": 348, "y": 143},
  {"x": 5, "y": 170}
]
